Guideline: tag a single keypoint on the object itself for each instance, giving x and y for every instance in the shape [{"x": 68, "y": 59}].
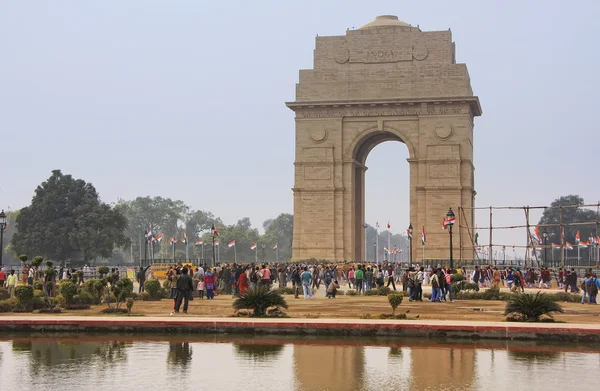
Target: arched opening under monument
[{"x": 382, "y": 192}]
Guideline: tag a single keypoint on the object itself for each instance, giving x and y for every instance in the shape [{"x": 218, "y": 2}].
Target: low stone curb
[{"x": 473, "y": 330}]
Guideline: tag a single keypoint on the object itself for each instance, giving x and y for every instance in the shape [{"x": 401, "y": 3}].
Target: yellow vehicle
[{"x": 159, "y": 271}]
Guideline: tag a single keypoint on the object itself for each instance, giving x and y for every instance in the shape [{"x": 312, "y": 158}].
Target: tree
[
  {"x": 552, "y": 215},
  {"x": 65, "y": 217},
  {"x": 146, "y": 213},
  {"x": 10, "y": 255},
  {"x": 280, "y": 231}
]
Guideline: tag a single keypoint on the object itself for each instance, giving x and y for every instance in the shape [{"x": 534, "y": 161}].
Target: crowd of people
[{"x": 305, "y": 279}]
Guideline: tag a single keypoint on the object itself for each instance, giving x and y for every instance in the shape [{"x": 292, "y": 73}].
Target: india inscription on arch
[{"x": 385, "y": 81}]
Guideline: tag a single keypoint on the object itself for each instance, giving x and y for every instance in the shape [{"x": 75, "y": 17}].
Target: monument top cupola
[{"x": 385, "y": 21}]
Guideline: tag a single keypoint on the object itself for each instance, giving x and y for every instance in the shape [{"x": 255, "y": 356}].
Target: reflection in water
[
  {"x": 180, "y": 354},
  {"x": 533, "y": 358},
  {"x": 431, "y": 368},
  {"x": 328, "y": 367},
  {"x": 48, "y": 354},
  {"x": 303, "y": 364},
  {"x": 258, "y": 352}
]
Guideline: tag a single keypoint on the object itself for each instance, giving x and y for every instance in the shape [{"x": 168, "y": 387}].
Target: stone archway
[{"x": 385, "y": 81}]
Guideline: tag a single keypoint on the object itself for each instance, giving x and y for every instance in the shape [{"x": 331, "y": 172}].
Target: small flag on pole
[
  {"x": 275, "y": 246},
  {"x": 199, "y": 242},
  {"x": 217, "y": 242},
  {"x": 537, "y": 234},
  {"x": 389, "y": 226},
  {"x": 554, "y": 245},
  {"x": 386, "y": 249},
  {"x": 409, "y": 233},
  {"x": 577, "y": 237},
  {"x": 159, "y": 238},
  {"x": 172, "y": 240},
  {"x": 423, "y": 237},
  {"x": 569, "y": 246},
  {"x": 583, "y": 244},
  {"x": 446, "y": 222},
  {"x": 231, "y": 244},
  {"x": 477, "y": 238},
  {"x": 253, "y": 247},
  {"x": 377, "y": 224}
]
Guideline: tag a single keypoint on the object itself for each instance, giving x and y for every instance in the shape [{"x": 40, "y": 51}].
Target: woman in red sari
[{"x": 243, "y": 283}]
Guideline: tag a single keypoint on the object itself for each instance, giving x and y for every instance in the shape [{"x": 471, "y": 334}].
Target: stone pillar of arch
[{"x": 387, "y": 81}]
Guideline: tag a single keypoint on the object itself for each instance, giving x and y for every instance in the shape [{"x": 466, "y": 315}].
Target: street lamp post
[
  {"x": 145, "y": 249},
  {"x": 214, "y": 233},
  {"x": 374, "y": 251},
  {"x": 545, "y": 238},
  {"x": 450, "y": 222},
  {"x": 410, "y": 231},
  {"x": 2, "y": 228}
]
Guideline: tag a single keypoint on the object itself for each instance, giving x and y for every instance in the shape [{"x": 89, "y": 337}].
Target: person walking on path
[
  {"x": 185, "y": 286},
  {"x": 390, "y": 276},
  {"x": 243, "y": 285},
  {"x": 265, "y": 276},
  {"x": 296, "y": 281},
  {"x": 201, "y": 286},
  {"x": 496, "y": 278},
  {"x": 358, "y": 277},
  {"x": 209, "y": 280},
  {"x": 141, "y": 277},
  {"x": 435, "y": 287},
  {"x": 11, "y": 282},
  {"x": 593, "y": 284},
  {"x": 2, "y": 278},
  {"x": 306, "y": 278}
]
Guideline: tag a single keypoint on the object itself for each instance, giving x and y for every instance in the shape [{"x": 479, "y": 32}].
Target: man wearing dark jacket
[
  {"x": 184, "y": 287},
  {"x": 141, "y": 277}
]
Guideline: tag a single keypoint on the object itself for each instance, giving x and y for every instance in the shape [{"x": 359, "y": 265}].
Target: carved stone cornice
[{"x": 396, "y": 107}]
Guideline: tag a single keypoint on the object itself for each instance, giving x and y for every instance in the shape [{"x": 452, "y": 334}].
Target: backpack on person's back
[{"x": 593, "y": 289}]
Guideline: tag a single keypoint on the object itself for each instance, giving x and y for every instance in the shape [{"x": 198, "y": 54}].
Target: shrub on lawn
[
  {"x": 456, "y": 277},
  {"x": 24, "y": 295},
  {"x": 565, "y": 296},
  {"x": 153, "y": 288},
  {"x": 286, "y": 291},
  {"x": 95, "y": 288},
  {"x": 9, "y": 305},
  {"x": 395, "y": 299},
  {"x": 532, "y": 306},
  {"x": 4, "y": 294},
  {"x": 259, "y": 300},
  {"x": 351, "y": 292},
  {"x": 68, "y": 291},
  {"x": 102, "y": 270}
]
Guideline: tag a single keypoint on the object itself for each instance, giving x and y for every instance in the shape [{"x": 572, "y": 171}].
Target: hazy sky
[{"x": 185, "y": 99}]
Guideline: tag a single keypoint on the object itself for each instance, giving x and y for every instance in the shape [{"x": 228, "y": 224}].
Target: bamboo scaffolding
[{"x": 532, "y": 207}]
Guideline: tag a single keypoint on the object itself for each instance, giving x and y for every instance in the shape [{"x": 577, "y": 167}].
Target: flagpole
[
  {"x": 389, "y": 243},
  {"x": 234, "y": 253},
  {"x": 365, "y": 227},
  {"x": 256, "y": 253},
  {"x": 174, "y": 244},
  {"x": 377, "y": 245}
]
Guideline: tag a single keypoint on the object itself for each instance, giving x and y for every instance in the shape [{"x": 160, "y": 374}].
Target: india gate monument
[{"x": 386, "y": 81}]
